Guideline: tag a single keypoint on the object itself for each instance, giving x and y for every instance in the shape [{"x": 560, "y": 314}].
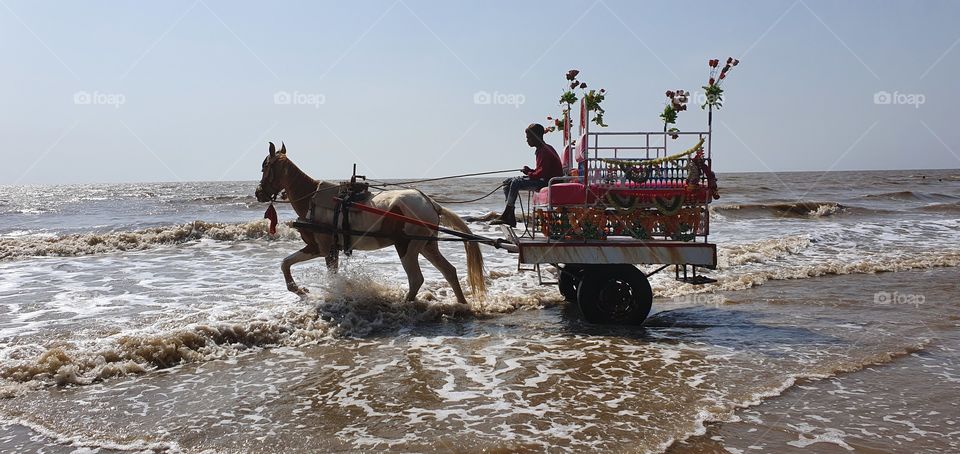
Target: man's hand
[{"x": 526, "y": 170}]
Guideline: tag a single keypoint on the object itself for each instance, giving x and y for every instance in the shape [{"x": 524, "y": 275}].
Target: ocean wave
[
  {"x": 246, "y": 201},
  {"x": 351, "y": 304},
  {"x": 879, "y": 264},
  {"x": 761, "y": 251},
  {"x": 802, "y": 209},
  {"x": 737, "y": 270},
  {"x": 940, "y": 208},
  {"x": 96, "y": 243},
  {"x": 224, "y": 198},
  {"x": 139, "y": 353},
  {"x": 910, "y": 196},
  {"x": 136, "y": 354},
  {"x": 487, "y": 217}
]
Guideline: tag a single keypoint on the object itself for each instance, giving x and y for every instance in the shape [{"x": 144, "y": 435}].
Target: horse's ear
[
  {"x": 283, "y": 148},
  {"x": 273, "y": 149}
]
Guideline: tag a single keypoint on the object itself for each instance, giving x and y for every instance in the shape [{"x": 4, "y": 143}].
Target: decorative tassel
[{"x": 271, "y": 214}]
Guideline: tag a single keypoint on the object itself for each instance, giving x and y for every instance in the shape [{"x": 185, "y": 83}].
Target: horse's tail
[{"x": 475, "y": 270}]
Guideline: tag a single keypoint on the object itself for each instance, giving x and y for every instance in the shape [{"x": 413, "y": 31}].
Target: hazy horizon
[
  {"x": 347, "y": 177},
  {"x": 194, "y": 90}
]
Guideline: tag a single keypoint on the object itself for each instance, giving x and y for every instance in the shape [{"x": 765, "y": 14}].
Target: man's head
[{"x": 535, "y": 135}]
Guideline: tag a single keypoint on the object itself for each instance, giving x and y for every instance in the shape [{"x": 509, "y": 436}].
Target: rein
[
  {"x": 274, "y": 198},
  {"x": 271, "y": 212},
  {"x": 404, "y": 183}
]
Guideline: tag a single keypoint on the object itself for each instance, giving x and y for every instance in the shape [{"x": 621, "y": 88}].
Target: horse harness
[{"x": 348, "y": 193}]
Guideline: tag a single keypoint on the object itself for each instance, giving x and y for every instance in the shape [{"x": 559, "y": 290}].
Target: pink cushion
[
  {"x": 574, "y": 193},
  {"x": 562, "y": 194}
]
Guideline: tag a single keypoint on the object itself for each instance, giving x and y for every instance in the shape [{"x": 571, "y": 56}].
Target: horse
[{"x": 302, "y": 191}]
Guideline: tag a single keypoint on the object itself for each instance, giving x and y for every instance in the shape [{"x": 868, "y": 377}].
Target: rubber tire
[
  {"x": 614, "y": 294},
  {"x": 568, "y": 280}
]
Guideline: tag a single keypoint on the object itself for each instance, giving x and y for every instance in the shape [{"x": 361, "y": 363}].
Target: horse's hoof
[{"x": 302, "y": 291}]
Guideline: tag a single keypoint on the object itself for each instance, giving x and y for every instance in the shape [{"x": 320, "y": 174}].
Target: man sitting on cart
[{"x": 548, "y": 166}]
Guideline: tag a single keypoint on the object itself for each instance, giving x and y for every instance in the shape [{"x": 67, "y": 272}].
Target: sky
[{"x": 194, "y": 90}]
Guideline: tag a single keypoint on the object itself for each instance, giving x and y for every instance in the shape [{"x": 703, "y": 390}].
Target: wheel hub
[{"x": 617, "y": 298}]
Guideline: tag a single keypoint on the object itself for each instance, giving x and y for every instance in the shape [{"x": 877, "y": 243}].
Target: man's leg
[
  {"x": 516, "y": 185},
  {"x": 506, "y": 187},
  {"x": 514, "y": 190},
  {"x": 511, "y": 189},
  {"x": 523, "y": 184}
]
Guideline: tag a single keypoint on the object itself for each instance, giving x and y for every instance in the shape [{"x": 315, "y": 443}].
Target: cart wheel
[
  {"x": 568, "y": 281},
  {"x": 617, "y": 294}
]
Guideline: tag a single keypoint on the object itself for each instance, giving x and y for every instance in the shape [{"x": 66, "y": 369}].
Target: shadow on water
[
  {"x": 734, "y": 328},
  {"x": 730, "y": 328}
]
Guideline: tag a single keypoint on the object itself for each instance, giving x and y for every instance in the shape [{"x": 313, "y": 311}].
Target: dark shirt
[{"x": 548, "y": 164}]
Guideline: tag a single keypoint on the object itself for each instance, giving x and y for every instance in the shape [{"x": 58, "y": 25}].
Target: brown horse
[{"x": 281, "y": 174}]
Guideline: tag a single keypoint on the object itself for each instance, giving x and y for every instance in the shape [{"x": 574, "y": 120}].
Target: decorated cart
[{"x": 627, "y": 198}]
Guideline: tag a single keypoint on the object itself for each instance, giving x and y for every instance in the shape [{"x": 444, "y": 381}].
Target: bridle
[{"x": 267, "y": 178}]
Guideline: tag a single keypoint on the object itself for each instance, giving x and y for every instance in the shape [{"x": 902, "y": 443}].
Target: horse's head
[{"x": 273, "y": 169}]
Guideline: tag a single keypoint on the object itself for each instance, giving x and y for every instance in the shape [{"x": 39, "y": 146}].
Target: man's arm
[{"x": 535, "y": 174}]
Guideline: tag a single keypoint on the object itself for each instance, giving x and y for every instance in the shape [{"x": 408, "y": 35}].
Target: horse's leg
[
  {"x": 333, "y": 261},
  {"x": 409, "y": 258},
  {"x": 432, "y": 252},
  {"x": 307, "y": 253}
]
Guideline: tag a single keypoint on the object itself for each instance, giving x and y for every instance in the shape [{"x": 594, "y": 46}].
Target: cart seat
[
  {"x": 561, "y": 194},
  {"x": 564, "y": 194}
]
